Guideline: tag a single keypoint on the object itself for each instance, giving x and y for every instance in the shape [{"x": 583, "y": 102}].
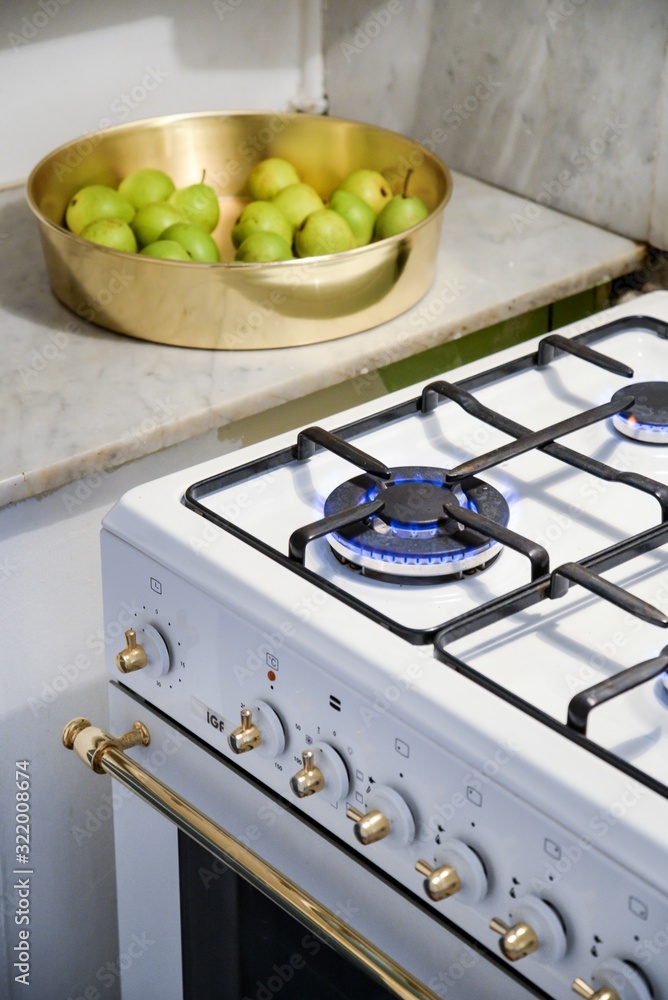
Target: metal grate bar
[
  {"x": 535, "y": 439},
  {"x": 583, "y": 703},
  {"x": 559, "y": 451},
  {"x": 575, "y": 573},
  {"x": 309, "y": 439},
  {"x": 535, "y": 553},
  {"x": 300, "y": 538},
  {"x": 555, "y": 342}
]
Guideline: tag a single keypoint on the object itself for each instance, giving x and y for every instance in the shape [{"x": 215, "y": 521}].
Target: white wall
[
  {"x": 52, "y": 670},
  {"x": 69, "y": 67}
]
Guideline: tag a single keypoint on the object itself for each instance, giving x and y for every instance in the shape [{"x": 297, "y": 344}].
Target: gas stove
[{"x": 439, "y": 624}]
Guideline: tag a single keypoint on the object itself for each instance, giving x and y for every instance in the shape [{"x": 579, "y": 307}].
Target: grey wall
[{"x": 562, "y": 101}]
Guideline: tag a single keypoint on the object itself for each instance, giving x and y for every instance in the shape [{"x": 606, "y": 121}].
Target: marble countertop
[{"x": 75, "y": 399}]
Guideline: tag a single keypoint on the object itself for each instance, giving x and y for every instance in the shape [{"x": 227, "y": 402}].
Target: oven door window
[{"x": 239, "y": 945}]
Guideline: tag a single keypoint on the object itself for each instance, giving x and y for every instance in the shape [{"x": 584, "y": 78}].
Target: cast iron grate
[{"x": 544, "y": 584}]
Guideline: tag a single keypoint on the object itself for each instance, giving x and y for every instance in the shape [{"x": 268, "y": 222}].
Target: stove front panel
[
  {"x": 207, "y": 662},
  {"x": 179, "y": 913}
]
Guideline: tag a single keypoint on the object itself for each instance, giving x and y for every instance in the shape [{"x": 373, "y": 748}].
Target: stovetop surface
[
  {"x": 572, "y": 514},
  {"x": 542, "y": 655}
]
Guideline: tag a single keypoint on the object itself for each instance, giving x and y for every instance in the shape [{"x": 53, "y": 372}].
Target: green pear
[
  {"x": 261, "y": 246},
  {"x": 400, "y": 213},
  {"x": 296, "y": 201},
  {"x": 323, "y": 232},
  {"x": 261, "y": 216},
  {"x": 112, "y": 233},
  {"x": 199, "y": 245},
  {"x": 167, "y": 250},
  {"x": 359, "y": 216},
  {"x": 199, "y": 204},
  {"x": 96, "y": 201},
  {"x": 270, "y": 176},
  {"x": 152, "y": 220},
  {"x": 142, "y": 187},
  {"x": 370, "y": 186}
]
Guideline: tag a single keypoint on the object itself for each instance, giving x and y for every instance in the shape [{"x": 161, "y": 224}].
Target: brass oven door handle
[{"x": 105, "y": 754}]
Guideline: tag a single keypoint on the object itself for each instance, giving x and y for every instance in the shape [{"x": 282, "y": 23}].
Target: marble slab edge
[{"x": 489, "y": 270}]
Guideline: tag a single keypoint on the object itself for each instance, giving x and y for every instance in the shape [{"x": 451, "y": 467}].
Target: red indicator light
[{"x": 271, "y": 675}]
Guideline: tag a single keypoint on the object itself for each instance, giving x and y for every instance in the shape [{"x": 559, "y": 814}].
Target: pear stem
[
  {"x": 408, "y": 177},
  {"x": 203, "y": 176}
]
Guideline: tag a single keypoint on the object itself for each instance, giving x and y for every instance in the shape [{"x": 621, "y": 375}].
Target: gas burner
[
  {"x": 412, "y": 539},
  {"x": 647, "y": 419}
]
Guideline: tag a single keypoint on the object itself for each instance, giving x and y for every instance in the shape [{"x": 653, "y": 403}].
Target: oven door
[{"x": 190, "y": 928}]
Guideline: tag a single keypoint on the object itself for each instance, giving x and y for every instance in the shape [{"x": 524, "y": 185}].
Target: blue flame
[
  {"x": 411, "y": 531},
  {"x": 637, "y": 425}
]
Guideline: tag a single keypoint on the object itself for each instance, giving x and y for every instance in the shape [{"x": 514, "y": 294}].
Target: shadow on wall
[{"x": 50, "y": 20}]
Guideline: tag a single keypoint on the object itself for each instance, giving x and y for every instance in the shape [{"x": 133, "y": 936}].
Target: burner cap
[
  {"x": 411, "y": 540},
  {"x": 647, "y": 419}
]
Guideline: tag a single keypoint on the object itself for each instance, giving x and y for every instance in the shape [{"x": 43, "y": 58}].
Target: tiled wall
[{"x": 563, "y": 101}]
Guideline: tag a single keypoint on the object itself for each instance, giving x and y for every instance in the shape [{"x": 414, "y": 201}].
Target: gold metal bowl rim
[{"x": 158, "y": 120}]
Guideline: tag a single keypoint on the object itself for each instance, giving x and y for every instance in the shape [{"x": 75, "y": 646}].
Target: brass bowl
[{"x": 228, "y": 305}]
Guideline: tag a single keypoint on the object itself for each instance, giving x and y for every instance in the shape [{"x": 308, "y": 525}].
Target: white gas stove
[{"x": 438, "y": 623}]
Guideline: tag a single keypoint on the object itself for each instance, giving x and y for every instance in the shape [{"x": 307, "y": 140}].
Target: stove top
[
  {"x": 515, "y": 518},
  {"x": 449, "y": 610}
]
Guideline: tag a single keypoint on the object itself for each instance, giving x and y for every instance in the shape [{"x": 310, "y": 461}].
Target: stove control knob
[
  {"x": 369, "y": 827},
  {"x": 457, "y": 869},
  {"x": 388, "y": 816},
  {"x": 309, "y": 780},
  {"x": 247, "y": 736},
  {"x": 589, "y": 993},
  {"x": 439, "y": 882},
  {"x": 517, "y": 941},
  {"x": 145, "y": 649},
  {"x": 630, "y": 982},
  {"x": 133, "y": 657},
  {"x": 326, "y": 770},
  {"x": 537, "y": 927},
  {"x": 272, "y": 733}
]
